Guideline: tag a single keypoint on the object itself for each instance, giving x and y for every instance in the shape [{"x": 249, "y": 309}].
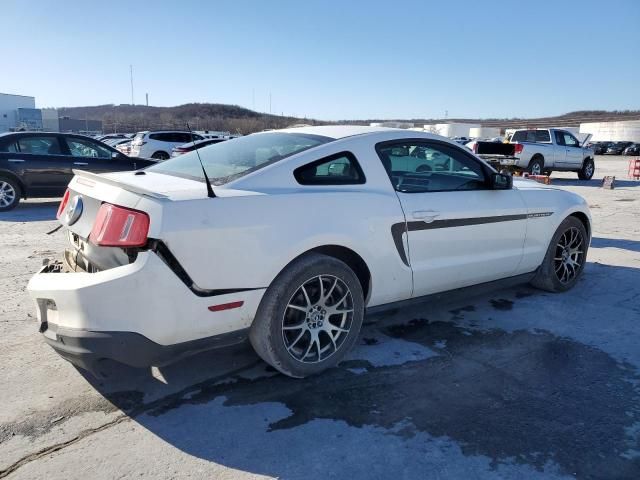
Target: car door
[
  {"x": 573, "y": 150},
  {"x": 91, "y": 155},
  {"x": 41, "y": 159},
  {"x": 458, "y": 231}
]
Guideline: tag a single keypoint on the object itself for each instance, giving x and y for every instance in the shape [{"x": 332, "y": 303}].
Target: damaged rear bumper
[
  {"x": 86, "y": 349},
  {"x": 139, "y": 314}
]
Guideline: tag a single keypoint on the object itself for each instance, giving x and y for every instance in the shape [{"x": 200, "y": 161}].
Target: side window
[
  {"x": 430, "y": 167},
  {"x": 525, "y": 136},
  {"x": 80, "y": 147},
  {"x": 569, "y": 140},
  {"x": 9, "y": 146},
  {"x": 37, "y": 145},
  {"x": 542, "y": 136},
  {"x": 559, "y": 138},
  {"x": 339, "y": 169}
]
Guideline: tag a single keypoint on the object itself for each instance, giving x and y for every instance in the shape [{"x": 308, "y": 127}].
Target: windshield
[{"x": 232, "y": 159}]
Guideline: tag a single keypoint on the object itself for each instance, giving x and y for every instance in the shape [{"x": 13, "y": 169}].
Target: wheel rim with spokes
[
  {"x": 536, "y": 169},
  {"x": 588, "y": 169},
  {"x": 569, "y": 255},
  {"x": 7, "y": 194},
  {"x": 317, "y": 319}
]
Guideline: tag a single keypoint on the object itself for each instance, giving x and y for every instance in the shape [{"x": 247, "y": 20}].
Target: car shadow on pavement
[
  {"x": 427, "y": 389},
  {"x": 31, "y": 212},
  {"x": 631, "y": 245}
]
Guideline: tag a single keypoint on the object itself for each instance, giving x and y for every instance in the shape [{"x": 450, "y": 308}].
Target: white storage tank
[
  {"x": 623, "y": 131},
  {"x": 484, "y": 132},
  {"x": 452, "y": 129}
]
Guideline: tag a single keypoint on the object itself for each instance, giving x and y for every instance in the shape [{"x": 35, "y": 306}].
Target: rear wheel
[
  {"x": 9, "y": 194},
  {"x": 536, "y": 166},
  {"x": 309, "y": 317},
  {"x": 565, "y": 258},
  {"x": 587, "y": 170},
  {"x": 160, "y": 156}
]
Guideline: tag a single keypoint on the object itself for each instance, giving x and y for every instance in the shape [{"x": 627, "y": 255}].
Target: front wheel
[
  {"x": 309, "y": 317},
  {"x": 587, "y": 170},
  {"x": 9, "y": 194},
  {"x": 565, "y": 258}
]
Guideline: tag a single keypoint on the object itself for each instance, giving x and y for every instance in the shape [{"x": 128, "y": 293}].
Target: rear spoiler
[{"x": 90, "y": 179}]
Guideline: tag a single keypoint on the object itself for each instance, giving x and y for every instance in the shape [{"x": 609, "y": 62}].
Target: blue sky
[{"x": 329, "y": 59}]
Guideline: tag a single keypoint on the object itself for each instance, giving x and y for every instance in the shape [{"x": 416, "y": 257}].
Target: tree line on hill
[{"x": 240, "y": 120}]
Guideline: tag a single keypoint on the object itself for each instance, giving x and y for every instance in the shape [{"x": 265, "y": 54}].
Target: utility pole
[
  {"x": 131, "y": 77},
  {"x": 147, "y": 95},
  {"x": 253, "y": 99},
  {"x": 269, "y": 103}
]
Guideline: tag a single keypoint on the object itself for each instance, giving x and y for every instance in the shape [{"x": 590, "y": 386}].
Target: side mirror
[{"x": 501, "y": 181}]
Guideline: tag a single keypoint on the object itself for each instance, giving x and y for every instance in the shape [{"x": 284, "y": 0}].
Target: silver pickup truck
[{"x": 539, "y": 151}]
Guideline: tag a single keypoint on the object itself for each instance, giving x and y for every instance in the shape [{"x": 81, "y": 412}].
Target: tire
[
  {"x": 536, "y": 165},
  {"x": 10, "y": 193},
  {"x": 587, "y": 170},
  {"x": 160, "y": 155},
  {"x": 552, "y": 276},
  {"x": 291, "y": 330}
]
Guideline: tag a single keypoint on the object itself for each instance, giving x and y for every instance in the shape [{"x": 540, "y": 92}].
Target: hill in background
[
  {"x": 236, "y": 119},
  {"x": 200, "y": 116}
]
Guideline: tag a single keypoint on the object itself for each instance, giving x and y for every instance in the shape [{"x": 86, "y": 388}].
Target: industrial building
[
  {"x": 627, "y": 130},
  {"x": 18, "y": 112}
]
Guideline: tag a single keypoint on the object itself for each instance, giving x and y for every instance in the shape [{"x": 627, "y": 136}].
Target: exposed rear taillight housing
[
  {"x": 119, "y": 227},
  {"x": 63, "y": 203},
  {"x": 518, "y": 148}
]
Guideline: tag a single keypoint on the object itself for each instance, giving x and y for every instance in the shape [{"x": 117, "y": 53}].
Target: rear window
[
  {"x": 533, "y": 136},
  {"x": 232, "y": 159}
]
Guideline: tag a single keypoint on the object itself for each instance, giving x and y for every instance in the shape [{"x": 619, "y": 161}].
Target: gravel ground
[{"x": 515, "y": 383}]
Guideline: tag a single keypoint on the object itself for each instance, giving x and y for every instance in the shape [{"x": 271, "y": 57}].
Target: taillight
[
  {"x": 119, "y": 227},
  {"x": 518, "y": 148},
  {"x": 63, "y": 203}
]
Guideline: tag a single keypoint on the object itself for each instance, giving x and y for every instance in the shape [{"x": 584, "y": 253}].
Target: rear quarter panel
[{"x": 245, "y": 241}]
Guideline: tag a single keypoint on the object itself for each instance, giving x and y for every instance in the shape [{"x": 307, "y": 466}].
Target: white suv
[{"x": 159, "y": 144}]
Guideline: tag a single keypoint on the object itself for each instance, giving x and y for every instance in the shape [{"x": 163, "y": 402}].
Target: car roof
[{"x": 338, "y": 131}]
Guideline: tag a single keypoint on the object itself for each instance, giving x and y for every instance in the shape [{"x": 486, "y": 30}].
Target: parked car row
[
  {"x": 161, "y": 145},
  {"x": 615, "y": 148},
  {"x": 36, "y": 164}
]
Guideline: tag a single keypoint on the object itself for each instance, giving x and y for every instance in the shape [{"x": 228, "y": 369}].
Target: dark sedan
[
  {"x": 633, "y": 149},
  {"x": 35, "y": 164},
  {"x": 617, "y": 148},
  {"x": 191, "y": 146},
  {"x": 599, "y": 148}
]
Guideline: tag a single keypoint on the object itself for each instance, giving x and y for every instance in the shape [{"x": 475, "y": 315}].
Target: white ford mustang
[{"x": 288, "y": 239}]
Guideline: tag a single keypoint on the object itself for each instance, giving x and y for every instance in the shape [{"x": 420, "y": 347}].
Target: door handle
[
  {"x": 16, "y": 160},
  {"x": 427, "y": 216},
  {"x": 81, "y": 164}
]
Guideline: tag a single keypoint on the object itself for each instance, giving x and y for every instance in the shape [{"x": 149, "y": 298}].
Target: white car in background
[
  {"x": 159, "y": 144},
  {"x": 288, "y": 239}
]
